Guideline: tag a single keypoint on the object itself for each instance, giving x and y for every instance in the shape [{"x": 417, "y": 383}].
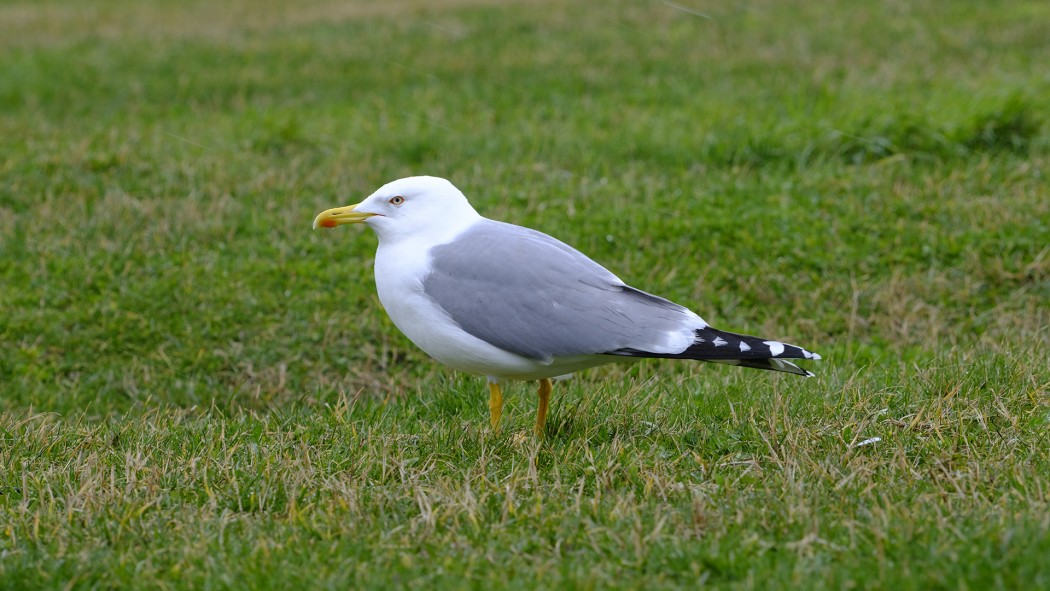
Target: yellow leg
[
  {"x": 541, "y": 413},
  {"x": 495, "y": 405}
]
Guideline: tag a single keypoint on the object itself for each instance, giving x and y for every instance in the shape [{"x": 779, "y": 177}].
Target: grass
[{"x": 200, "y": 392}]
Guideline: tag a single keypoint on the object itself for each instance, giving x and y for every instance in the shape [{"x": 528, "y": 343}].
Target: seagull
[{"x": 511, "y": 303}]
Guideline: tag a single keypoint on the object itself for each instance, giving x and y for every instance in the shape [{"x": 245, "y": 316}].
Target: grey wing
[{"x": 535, "y": 296}]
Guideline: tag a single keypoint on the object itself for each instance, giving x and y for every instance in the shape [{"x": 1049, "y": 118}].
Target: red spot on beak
[{"x": 329, "y": 223}]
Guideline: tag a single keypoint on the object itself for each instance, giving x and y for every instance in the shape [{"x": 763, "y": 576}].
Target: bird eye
[{"x": 397, "y": 201}]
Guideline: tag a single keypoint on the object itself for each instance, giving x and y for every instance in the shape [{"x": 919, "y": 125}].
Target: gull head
[{"x": 418, "y": 207}]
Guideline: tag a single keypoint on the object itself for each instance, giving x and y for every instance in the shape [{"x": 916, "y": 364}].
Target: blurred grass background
[{"x": 197, "y": 389}]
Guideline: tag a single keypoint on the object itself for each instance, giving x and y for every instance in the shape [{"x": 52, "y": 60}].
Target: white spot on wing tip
[
  {"x": 744, "y": 346},
  {"x": 775, "y": 347},
  {"x": 719, "y": 341}
]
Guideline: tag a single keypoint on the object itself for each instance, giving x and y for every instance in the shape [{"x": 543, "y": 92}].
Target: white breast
[{"x": 399, "y": 273}]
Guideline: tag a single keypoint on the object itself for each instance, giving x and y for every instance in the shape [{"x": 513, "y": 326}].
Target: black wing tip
[
  {"x": 780, "y": 365},
  {"x": 729, "y": 348},
  {"x": 712, "y": 343}
]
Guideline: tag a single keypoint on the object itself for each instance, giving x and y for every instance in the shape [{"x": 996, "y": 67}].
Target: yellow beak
[{"x": 338, "y": 216}]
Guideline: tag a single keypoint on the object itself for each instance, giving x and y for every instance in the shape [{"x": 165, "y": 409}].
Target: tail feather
[{"x": 719, "y": 346}]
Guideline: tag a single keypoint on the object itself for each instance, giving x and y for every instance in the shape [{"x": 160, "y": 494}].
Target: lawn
[{"x": 197, "y": 391}]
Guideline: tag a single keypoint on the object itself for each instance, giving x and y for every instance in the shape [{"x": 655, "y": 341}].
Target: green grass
[{"x": 200, "y": 392}]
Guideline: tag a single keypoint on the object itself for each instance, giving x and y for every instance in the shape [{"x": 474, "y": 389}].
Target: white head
[{"x": 420, "y": 207}]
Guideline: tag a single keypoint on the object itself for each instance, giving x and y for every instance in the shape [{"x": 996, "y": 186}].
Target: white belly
[{"x": 400, "y": 288}]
